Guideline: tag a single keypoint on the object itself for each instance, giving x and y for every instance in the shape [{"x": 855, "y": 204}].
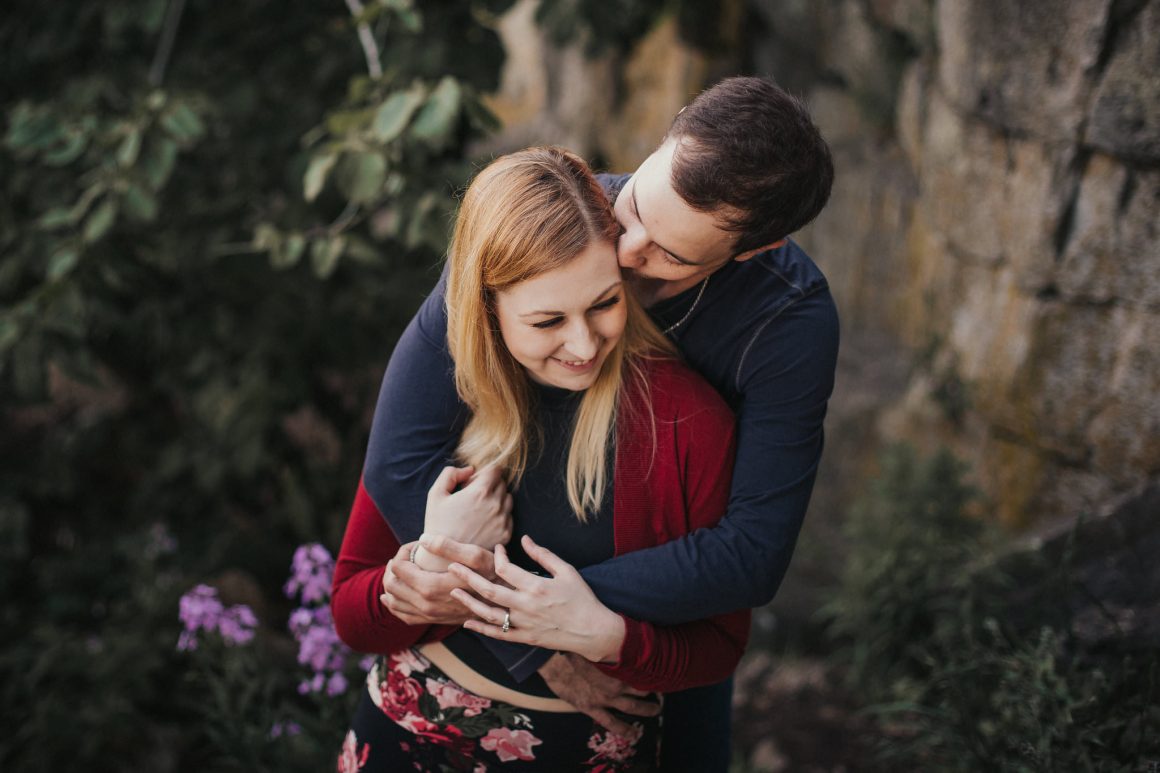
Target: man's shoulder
[
  {"x": 788, "y": 269},
  {"x": 768, "y": 285}
]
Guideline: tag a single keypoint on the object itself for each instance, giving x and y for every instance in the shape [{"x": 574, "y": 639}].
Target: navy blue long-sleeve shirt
[{"x": 764, "y": 334}]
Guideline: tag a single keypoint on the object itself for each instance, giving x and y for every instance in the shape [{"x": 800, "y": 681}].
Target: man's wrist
[{"x": 428, "y": 561}]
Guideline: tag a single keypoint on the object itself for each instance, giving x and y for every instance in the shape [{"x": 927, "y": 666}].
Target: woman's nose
[{"x": 582, "y": 341}]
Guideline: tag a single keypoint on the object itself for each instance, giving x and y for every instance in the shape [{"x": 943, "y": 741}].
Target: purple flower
[
  {"x": 336, "y": 685},
  {"x": 287, "y": 728},
  {"x": 237, "y": 625},
  {"x": 201, "y": 610},
  {"x": 319, "y": 648},
  {"x": 311, "y": 570}
]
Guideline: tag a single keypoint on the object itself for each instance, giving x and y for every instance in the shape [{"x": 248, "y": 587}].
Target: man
[{"x": 705, "y": 224}]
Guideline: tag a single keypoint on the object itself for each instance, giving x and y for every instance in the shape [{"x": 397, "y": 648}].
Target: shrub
[{"x": 919, "y": 617}]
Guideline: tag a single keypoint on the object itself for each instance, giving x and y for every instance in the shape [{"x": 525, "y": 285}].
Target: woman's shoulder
[{"x": 679, "y": 392}]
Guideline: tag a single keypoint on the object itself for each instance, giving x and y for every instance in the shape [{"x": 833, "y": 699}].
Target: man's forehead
[{"x": 670, "y": 221}]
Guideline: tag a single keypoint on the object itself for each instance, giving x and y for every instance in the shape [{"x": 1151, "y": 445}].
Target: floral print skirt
[{"x": 427, "y": 722}]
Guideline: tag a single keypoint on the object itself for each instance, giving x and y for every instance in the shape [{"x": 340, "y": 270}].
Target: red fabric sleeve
[
  {"x": 677, "y": 657},
  {"x": 360, "y": 619}
]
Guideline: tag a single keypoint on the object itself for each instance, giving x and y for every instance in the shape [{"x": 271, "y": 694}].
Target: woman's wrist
[{"x": 608, "y": 633}]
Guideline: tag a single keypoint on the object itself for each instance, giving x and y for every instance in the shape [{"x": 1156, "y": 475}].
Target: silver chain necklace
[{"x": 696, "y": 300}]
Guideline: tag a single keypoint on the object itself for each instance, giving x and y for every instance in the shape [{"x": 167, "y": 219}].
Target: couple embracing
[{"x": 605, "y": 424}]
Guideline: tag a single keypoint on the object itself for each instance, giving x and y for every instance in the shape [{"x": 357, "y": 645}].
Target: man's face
[{"x": 665, "y": 240}]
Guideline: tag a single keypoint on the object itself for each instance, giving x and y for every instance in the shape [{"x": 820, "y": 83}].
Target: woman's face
[{"x": 561, "y": 325}]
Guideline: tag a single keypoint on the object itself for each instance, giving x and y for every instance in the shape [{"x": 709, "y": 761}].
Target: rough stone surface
[
  {"x": 912, "y": 18},
  {"x": 858, "y": 239},
  {"x": 1125, "y": 116},
  {"x": 548, "y": 94},
  {"x": 1053, "y": 395},
  {"x": 999, "y": 227},
  {"x": 997, "y": 199},
  {"x": 662, "y": 76},
  {"x": 1114, "y": 249},
  {"x": 866, "y": 57},
  {"x": 1125, "y": 432},
  {"x": 910, "y": 111},
  {"x": 991, "y": 337},
  {"x": 1022, "y": 66}
]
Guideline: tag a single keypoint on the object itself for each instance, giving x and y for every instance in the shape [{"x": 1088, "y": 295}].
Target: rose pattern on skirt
[
  {"x": 352, "y": 759},
  {"x": 510, "y": 744}
]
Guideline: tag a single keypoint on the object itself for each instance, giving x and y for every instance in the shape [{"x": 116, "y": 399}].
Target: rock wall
[
  {"x": 992, "y": 237},
  {"x": 996, "y": 212}
]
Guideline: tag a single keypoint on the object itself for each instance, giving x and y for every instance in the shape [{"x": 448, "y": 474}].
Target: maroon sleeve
[
  {"x": 677, "y": 657},
  {"x": 360, "y": 619}
]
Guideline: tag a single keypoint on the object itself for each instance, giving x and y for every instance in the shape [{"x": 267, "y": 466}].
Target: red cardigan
[{"x": 661, "y": 491}]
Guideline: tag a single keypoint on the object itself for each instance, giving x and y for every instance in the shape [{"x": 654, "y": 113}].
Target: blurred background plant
[
  {"x": 216, "y": 218},
  {"x": 954, "y": 652}
]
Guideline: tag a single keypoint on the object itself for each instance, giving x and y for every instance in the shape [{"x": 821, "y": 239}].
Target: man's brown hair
[{"x": 749, "y": 152}]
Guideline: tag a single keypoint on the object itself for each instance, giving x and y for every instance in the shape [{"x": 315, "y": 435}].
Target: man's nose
[{"x": 630, "y": 248}]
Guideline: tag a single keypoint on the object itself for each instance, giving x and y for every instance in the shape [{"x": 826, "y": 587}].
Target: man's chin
[{"x": 647, "y": 288}]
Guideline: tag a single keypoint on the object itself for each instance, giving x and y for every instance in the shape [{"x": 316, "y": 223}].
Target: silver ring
[
  {"x": 414, "y": 552},
  {"x": 507, "y": 621}
]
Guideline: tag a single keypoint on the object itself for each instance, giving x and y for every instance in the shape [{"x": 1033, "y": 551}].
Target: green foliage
[
  {"x": 205, "y": 261},
  {"x": 904, "y": 577},
  {"x": 919, "y": 618},
  {"x": 207, "y": 251}
]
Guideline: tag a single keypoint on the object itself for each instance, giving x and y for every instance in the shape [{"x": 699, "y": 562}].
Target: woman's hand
[
  {"x": 559, "y": 612},
  {"x": 478, "y": 514}
]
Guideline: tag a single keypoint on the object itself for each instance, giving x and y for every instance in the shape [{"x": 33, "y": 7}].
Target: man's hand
[
  {"x": 594, "y": 692},
  {"x": 420, "y": 597},
  {"x": 480, "y": 513}
]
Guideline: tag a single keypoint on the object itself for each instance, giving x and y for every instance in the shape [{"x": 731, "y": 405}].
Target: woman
[{"x": 609, "y": 445}]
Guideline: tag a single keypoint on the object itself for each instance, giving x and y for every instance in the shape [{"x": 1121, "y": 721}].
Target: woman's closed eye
[
  {"x": 605, "y": 305},
  {"x": 596, "y": 308}
]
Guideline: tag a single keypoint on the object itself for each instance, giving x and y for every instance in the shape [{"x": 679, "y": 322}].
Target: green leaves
[
  {"x": 182, "y": 123},
  {"x": 435, "y": 123},
  {"x": 360, "y": 176},
  {"x": 316, "y": 174},
  {"x": 392, "y": 117},
  {"x": 130, "y": 148},
  {"x": 158, "y": 162},
  {"x": 324, "y": 255},
  {"x": 99, "y": 221}
]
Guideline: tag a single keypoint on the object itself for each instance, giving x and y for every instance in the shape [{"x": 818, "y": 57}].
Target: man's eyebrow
[
  {"x": 636, "y": 209},
  {"x": 599, "y": 297}
]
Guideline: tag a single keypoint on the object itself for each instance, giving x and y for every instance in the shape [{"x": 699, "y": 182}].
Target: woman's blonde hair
[{"x": 525, "y": 214}]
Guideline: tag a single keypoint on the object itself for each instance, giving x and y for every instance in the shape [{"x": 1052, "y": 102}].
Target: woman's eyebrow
[{"x": 605, "y": 292}]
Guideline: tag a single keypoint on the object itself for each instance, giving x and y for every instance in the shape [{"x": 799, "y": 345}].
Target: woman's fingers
[
  {"x": 514, "y": 633},
  {"x": 481, "y": 609},
  {"x": 497, "y": 594},
  {"x": 518, "y": 578},
  {"x": 544, "y": 557},
  {"x": 472, "y": 556}
]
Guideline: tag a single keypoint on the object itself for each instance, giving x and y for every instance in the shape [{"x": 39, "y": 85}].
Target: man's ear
[{"x": 757, "y": 250}]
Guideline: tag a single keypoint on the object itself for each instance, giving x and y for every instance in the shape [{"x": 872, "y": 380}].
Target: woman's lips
[{"x": 576, "y": 366}]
